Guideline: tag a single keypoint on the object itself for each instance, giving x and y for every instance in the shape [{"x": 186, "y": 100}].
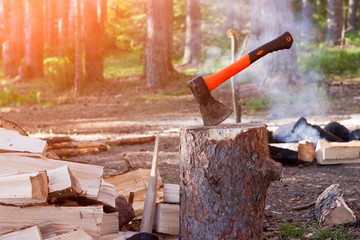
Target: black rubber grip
[{"x": 283, "y": 42}]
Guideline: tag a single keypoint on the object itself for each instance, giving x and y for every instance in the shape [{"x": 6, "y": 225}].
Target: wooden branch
[
  {"x": 64, "y": 218},
  {"x": 304, "y": 206},
  {"x": 63, "y": 183},
  {"x": 147, "y": 221},
  {"x": 11, "y": 140},
  {"x": 72, "y": 152},
  {"x": 75, "y": 234},
  {"x": 88, "y": 175},
  {"x": 129, "y": 165},
  {"x": 59, "y": 139},
  {"x": 131, "y": 140},
  {"x": 12, "y": 126},
  {"x": 24, "y": 188},
  {"x": 31, "y": 233},
  {"x": 101, "y": 146}
]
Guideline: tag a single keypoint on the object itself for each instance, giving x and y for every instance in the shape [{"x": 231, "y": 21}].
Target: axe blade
[{"x": 212, "y": 111}]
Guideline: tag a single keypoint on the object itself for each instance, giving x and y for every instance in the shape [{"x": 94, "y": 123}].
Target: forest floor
[{"x": 127, "y": 108}]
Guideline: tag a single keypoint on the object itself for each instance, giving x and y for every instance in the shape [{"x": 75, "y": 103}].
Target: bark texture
[
  {"x": 34, "y": 43},
  {"x": 13, "y": 50},
  {"x": 93, "y": 42},
  {"x": 79, "y": 69},
  {"x": 353, "y": 5},
  {"x": 156, "y": 53},
  {"x": 307, "y": 25},
  {"x": 335, "y": 22},
  {"x": 192, "y": 54},
  {"x": 225, "y": 173}
]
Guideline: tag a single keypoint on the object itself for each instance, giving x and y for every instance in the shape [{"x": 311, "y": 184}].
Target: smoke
[{"x": 292, "y": 92}]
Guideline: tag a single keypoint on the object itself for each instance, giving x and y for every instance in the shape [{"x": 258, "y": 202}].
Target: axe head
[{"x": 212, "y": 111}]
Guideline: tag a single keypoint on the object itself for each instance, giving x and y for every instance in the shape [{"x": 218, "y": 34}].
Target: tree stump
[{"x": 225, "y": 173}]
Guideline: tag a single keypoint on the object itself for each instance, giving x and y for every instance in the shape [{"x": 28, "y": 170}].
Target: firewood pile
[
  {"x": 303, "y": 142},
  {"x": 49, "y": 198}
]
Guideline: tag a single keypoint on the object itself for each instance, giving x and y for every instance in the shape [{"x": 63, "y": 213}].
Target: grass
[
  {"x": 256, "y": 104},
  {"x": 312, "y": 231},
  {"x": 122, "y": 65}
]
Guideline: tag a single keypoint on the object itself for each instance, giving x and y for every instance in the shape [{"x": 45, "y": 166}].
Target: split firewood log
[
  {"x": 131, "y": 140},
  {"x": 12, "y": 126},
  {"x": 331, "y": 209}
]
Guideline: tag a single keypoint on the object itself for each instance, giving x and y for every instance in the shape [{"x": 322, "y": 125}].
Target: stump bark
[{"x": 225, "y": 173}]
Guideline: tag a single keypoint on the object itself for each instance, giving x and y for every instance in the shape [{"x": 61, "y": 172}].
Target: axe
[{"x": 214, "y": 112}]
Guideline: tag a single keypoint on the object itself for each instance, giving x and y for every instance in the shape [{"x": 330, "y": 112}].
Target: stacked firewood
[{"x": 46, "y": 198}]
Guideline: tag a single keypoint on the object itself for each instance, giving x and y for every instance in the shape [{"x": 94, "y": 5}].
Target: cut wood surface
[
  {"x": 110, "y": 223},
  {"x": 331, "y": 209},
  {"x": 64, "y": 218},
  {"x": 75, "y": 234},
  {"x": 116, "y": 236},
  {"x": 134, "y": 181},
  {"x": 24, "y": 188},
  {"x": 11, "y": 140},
  {"x": 337, "y": 152},
  {"x": 31, "y": 233},
  {"x": 225, "y": 173},
  {"x": 148, "y": 217},
  {"x": 171, "y": 193},
  {"x": 63, "y": 183},
  {"x": 131, "y": 140},
  {"x": 167, "y": 218},
  {"x": 107, "y": 194},
  {"x": 88, "y": 175},
  {"x": 46, "y": 229}
]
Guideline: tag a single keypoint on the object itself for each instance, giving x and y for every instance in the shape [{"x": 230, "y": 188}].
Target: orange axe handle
[{"x": 283, "y": 42}]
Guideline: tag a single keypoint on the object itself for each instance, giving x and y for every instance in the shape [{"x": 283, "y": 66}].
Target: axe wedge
[{"x": 214, "y": 112}]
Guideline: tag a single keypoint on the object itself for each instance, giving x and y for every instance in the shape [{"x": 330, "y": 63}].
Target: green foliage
[
  {"x": 262, "y": 103},
  {"x": 331, "y": 62},
  {"x": 122, "y": 65},
  {"x": 10, "y": 96},
  {"x": 312, "y": 231},
  {"x": 59, "y": 72}
]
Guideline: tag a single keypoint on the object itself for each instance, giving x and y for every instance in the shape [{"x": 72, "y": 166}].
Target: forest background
[{"x": 73, "y": 45}]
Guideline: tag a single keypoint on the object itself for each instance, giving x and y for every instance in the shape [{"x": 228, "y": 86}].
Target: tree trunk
[
  {"x": 14, "y": 48},
  {"x": 281, "y": 67},
  {"x": 50, "y": 25},
  {"x": 352, "y": 14},
  {"x": 230, "y": 13},
  {"x": 225, "y": 173},
  {"x": 79, "y": 72},
  {"x": 63, "y": 7},
  {"x": 34, "y": 40},
  {"x": 93, "y": 42},
  {"x": 335, "y": 22},
  {"x": 307, "y": 25},
  {"x": 169, "y": 35},
  {"x": 5, "y": 9},
  {"x": 156, "y": 53},
  {"x": 256, "y": 9},
  {"x": 192, "y": 53}
]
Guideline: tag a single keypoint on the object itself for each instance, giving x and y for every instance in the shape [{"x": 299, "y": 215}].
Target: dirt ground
[{"x": 128, "y": 108}]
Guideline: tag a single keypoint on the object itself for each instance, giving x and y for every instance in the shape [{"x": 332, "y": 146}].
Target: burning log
[{"x": 225, "y": 173}]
